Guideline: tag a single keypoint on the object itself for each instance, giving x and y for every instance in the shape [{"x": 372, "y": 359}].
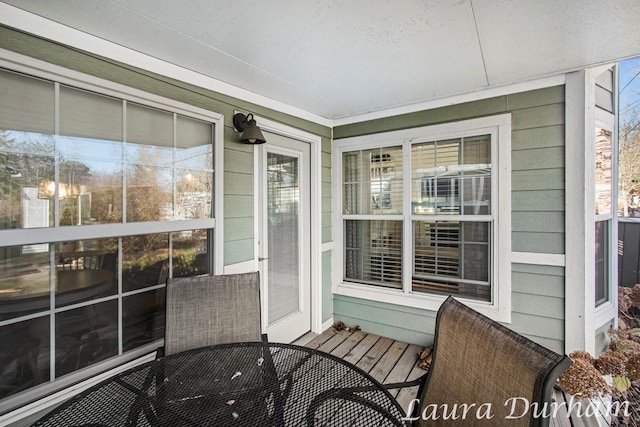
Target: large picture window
[
  {"x": 419, "y": 216},
  {"x": 102, "y": 198}
]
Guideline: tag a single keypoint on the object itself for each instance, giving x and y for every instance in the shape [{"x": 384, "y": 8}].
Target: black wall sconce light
[{"x": 251, "y": 133}]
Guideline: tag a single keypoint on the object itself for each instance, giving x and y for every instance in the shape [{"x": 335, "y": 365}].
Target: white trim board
[
  {"x": 455, "y": 99},
  {"x": 533, "y": 258}
]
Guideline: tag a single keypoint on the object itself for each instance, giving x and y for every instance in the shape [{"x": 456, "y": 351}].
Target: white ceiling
[{"x": 342, "y": 58}]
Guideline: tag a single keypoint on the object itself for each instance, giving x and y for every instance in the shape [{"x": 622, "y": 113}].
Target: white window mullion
[
  {"x": 120, "y": 311},
  {"x": 52, "y": 319},
  {"x": 56, "y": 157},
  {"x": 124, "y": 161},
  {"x": 56, "y": 223},
  {"x": 408, "y": 259}
]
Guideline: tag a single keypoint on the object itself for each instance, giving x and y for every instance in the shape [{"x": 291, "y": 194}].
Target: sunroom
[{"x": 412, "y": 153}]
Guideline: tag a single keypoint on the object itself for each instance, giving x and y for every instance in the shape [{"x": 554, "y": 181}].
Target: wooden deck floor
[{"x": 390, "y": 361}]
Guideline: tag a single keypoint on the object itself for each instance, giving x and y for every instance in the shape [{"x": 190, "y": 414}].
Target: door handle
[{"x": 263, "y": 259}]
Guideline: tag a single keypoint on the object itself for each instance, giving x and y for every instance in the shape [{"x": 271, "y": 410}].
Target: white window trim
[{"x": 499, "y": 127}]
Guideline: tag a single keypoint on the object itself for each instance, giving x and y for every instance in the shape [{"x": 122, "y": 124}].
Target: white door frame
[{"x": 315, "y": 143}]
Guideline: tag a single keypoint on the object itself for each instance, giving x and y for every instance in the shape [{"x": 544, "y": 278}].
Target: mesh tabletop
[{"x": 246, "y": 384}]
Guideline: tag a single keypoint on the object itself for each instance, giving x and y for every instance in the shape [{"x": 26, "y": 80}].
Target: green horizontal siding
[
  {"x": 604, "y": 91},
  {"x": 398, "y": 322},
  {"x": 326, "y": 190},
  {"x": 327, "y": 297}
]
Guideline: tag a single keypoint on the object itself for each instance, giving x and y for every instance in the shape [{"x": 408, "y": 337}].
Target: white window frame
[
  {"x": 14, "y": 237},
  {"x": 607, "y": 310},
  {"x": 499, "y": 127}
]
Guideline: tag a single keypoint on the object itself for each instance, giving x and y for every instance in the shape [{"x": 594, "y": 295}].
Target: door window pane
[{"x": 283, "y": 214}]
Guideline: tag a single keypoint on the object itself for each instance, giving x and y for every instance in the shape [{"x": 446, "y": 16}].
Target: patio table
[{"x": 243, "y": 384}]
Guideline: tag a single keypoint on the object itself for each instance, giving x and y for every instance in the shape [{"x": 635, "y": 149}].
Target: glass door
[{"x": 285, "y": 244}]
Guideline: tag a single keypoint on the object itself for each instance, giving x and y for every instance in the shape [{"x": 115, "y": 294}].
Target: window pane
[
  {"x": 149, "y": 156},
  {"x": 24, "y": 355},
  {"x": 27, "y": 103},
  {"x": 194, "y": 194},
  {"x": 149, "y": 193},
  {"x": 142, "y": 318},
  {"x": 194, "y": 143},
  {"x": 27, "y": 165},
  {"x": 190, "y": 253},
  {"x": 602, "y": 262},
  {"x": 86, "y": 335},
  {"x": 447, "y": 173},
  {"x": 149, "y": 126},
  {"x": 86, "y": 270},
  {"x": 194, "y": 169},
  {"x": 604, "y": 187},
  {"x": 25, "y": 278},
  {"x": 452, "y": 257},
  {"x": 90, "y": 187},
  {"x": 373, "y": 252},
  {"x": 86, "y": 114},
  {"x": 145, "y": 261},
  {"x": 372, "y": 181}
]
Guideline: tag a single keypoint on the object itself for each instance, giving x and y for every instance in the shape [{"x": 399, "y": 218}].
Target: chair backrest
[
  {"x": 208, "y": 310},
  {"x": 479, "y": 361}
]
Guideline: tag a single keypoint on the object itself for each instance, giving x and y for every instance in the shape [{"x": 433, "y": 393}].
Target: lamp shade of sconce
[{"x": 251, "y": 133}]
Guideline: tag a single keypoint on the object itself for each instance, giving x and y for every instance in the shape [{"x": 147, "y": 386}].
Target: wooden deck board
[
  {"x": 388, "y": 361},
  {"x": 391, "y": 361},
  {"x": 374, "y": 354}
]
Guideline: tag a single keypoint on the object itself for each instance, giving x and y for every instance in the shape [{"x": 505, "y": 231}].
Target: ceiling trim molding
[
  {"x": 14, "y": 17},
  {"x": 455, "y": 99}
]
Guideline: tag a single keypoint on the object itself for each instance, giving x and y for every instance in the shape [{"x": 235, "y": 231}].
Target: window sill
[
  {"x": 496, "y": 311},
  {"x": 604, "y": 313}
]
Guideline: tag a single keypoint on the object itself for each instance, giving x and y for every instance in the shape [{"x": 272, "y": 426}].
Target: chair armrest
[{"x": 418, "y": 381}]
